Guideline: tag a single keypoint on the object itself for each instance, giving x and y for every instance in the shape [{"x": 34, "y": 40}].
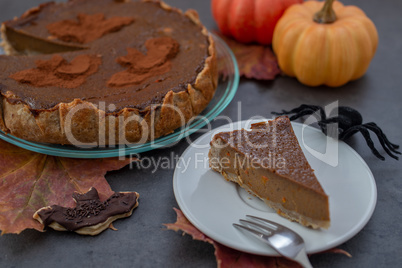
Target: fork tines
[
  {"x": 267, "y": 228},
  {"x": 282, "y": 239}
]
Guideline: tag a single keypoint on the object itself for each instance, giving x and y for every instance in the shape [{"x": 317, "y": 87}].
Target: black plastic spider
[{"x": 349, "y": 122}]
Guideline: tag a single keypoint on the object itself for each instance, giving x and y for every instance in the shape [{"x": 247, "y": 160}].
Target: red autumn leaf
[
  {"x": 227, "y": 257},
  {"x": 338, "y": 251},
  {"x": 254, "y": 61},
  {"x": 184, "y": 225},
  {"x": 30, "y": 181}
]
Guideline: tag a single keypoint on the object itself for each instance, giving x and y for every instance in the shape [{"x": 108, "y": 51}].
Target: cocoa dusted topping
[
  {"x": 87, "y": 27},
  {"x": 272, "y": 141},
  {"x": 58, "y": 72},
  {"x": 36, "y": 10},
  {"x": 141, "y": 67},
  {"x": 89, "y": 210}
]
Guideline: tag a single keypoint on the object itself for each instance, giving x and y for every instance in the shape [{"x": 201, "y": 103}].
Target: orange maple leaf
[{"x": 30, "y": 181}]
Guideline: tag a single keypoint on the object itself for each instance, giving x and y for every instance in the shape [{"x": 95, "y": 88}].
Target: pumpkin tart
[
  {"x": 103, "y": 72},
  {"x": 268, "y": 162}
]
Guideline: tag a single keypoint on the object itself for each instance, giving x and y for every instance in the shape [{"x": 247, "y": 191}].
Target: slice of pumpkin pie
[{"x": 268, "y": 162}]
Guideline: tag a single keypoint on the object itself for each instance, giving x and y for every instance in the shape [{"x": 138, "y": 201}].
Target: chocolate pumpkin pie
[
  {"x": 102, "y": 72},
  {"x": 268, "y": 162}
]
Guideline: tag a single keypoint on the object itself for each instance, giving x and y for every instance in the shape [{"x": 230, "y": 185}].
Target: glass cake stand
[{"x": 224, "y": 94}]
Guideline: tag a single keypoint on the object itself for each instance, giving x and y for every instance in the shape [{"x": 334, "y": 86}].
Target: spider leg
[
  {"x": 346, "y": 134},
  {"x": 302, "y": 113},
  {"x": 381, "y": 137},
  {"x": 328, "y": 121},
  {"x": 349, "y": 132},
  {"x": 377, "y": 128},
  {"x": 323, "y": 124},
  {"x": 302, "y": 110}
]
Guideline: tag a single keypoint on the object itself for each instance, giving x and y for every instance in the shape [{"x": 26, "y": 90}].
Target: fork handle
[{"x": 302, "y": 259}]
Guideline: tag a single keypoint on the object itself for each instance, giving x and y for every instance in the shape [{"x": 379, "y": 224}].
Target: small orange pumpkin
[{"x": 324, "y": 43}]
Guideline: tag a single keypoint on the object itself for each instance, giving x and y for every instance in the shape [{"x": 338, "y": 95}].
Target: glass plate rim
[{"x": 51, "y": 149}]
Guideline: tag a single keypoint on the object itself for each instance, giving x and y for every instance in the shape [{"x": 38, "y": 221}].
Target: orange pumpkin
[
  {"x": 324, "y": 44},
  {"x": 249, "y": 20}
]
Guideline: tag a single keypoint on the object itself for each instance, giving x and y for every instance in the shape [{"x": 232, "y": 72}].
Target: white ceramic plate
[{"x": 212, "y": 204}]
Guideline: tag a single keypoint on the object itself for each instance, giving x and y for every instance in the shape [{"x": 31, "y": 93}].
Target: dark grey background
[{"x": 142, "y": 240}]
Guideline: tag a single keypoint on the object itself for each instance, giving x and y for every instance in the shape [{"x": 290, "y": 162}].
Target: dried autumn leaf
[
  {"x": 254, "y": 61},
  {"x": 30, "y": 181},
  {"x": 184, "y": 225},
  {"x": 338, "y": 251},
  {"x": 227, "y": 257}
]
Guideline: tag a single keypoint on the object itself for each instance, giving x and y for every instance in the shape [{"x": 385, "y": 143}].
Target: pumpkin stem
[{"x": 326, "y": 14}]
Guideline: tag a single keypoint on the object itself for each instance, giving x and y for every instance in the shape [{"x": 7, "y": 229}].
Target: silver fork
[{"x": 284, "y": 240}]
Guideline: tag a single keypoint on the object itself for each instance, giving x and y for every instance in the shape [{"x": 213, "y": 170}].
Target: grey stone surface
[{"x": 142, "y": 241}]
